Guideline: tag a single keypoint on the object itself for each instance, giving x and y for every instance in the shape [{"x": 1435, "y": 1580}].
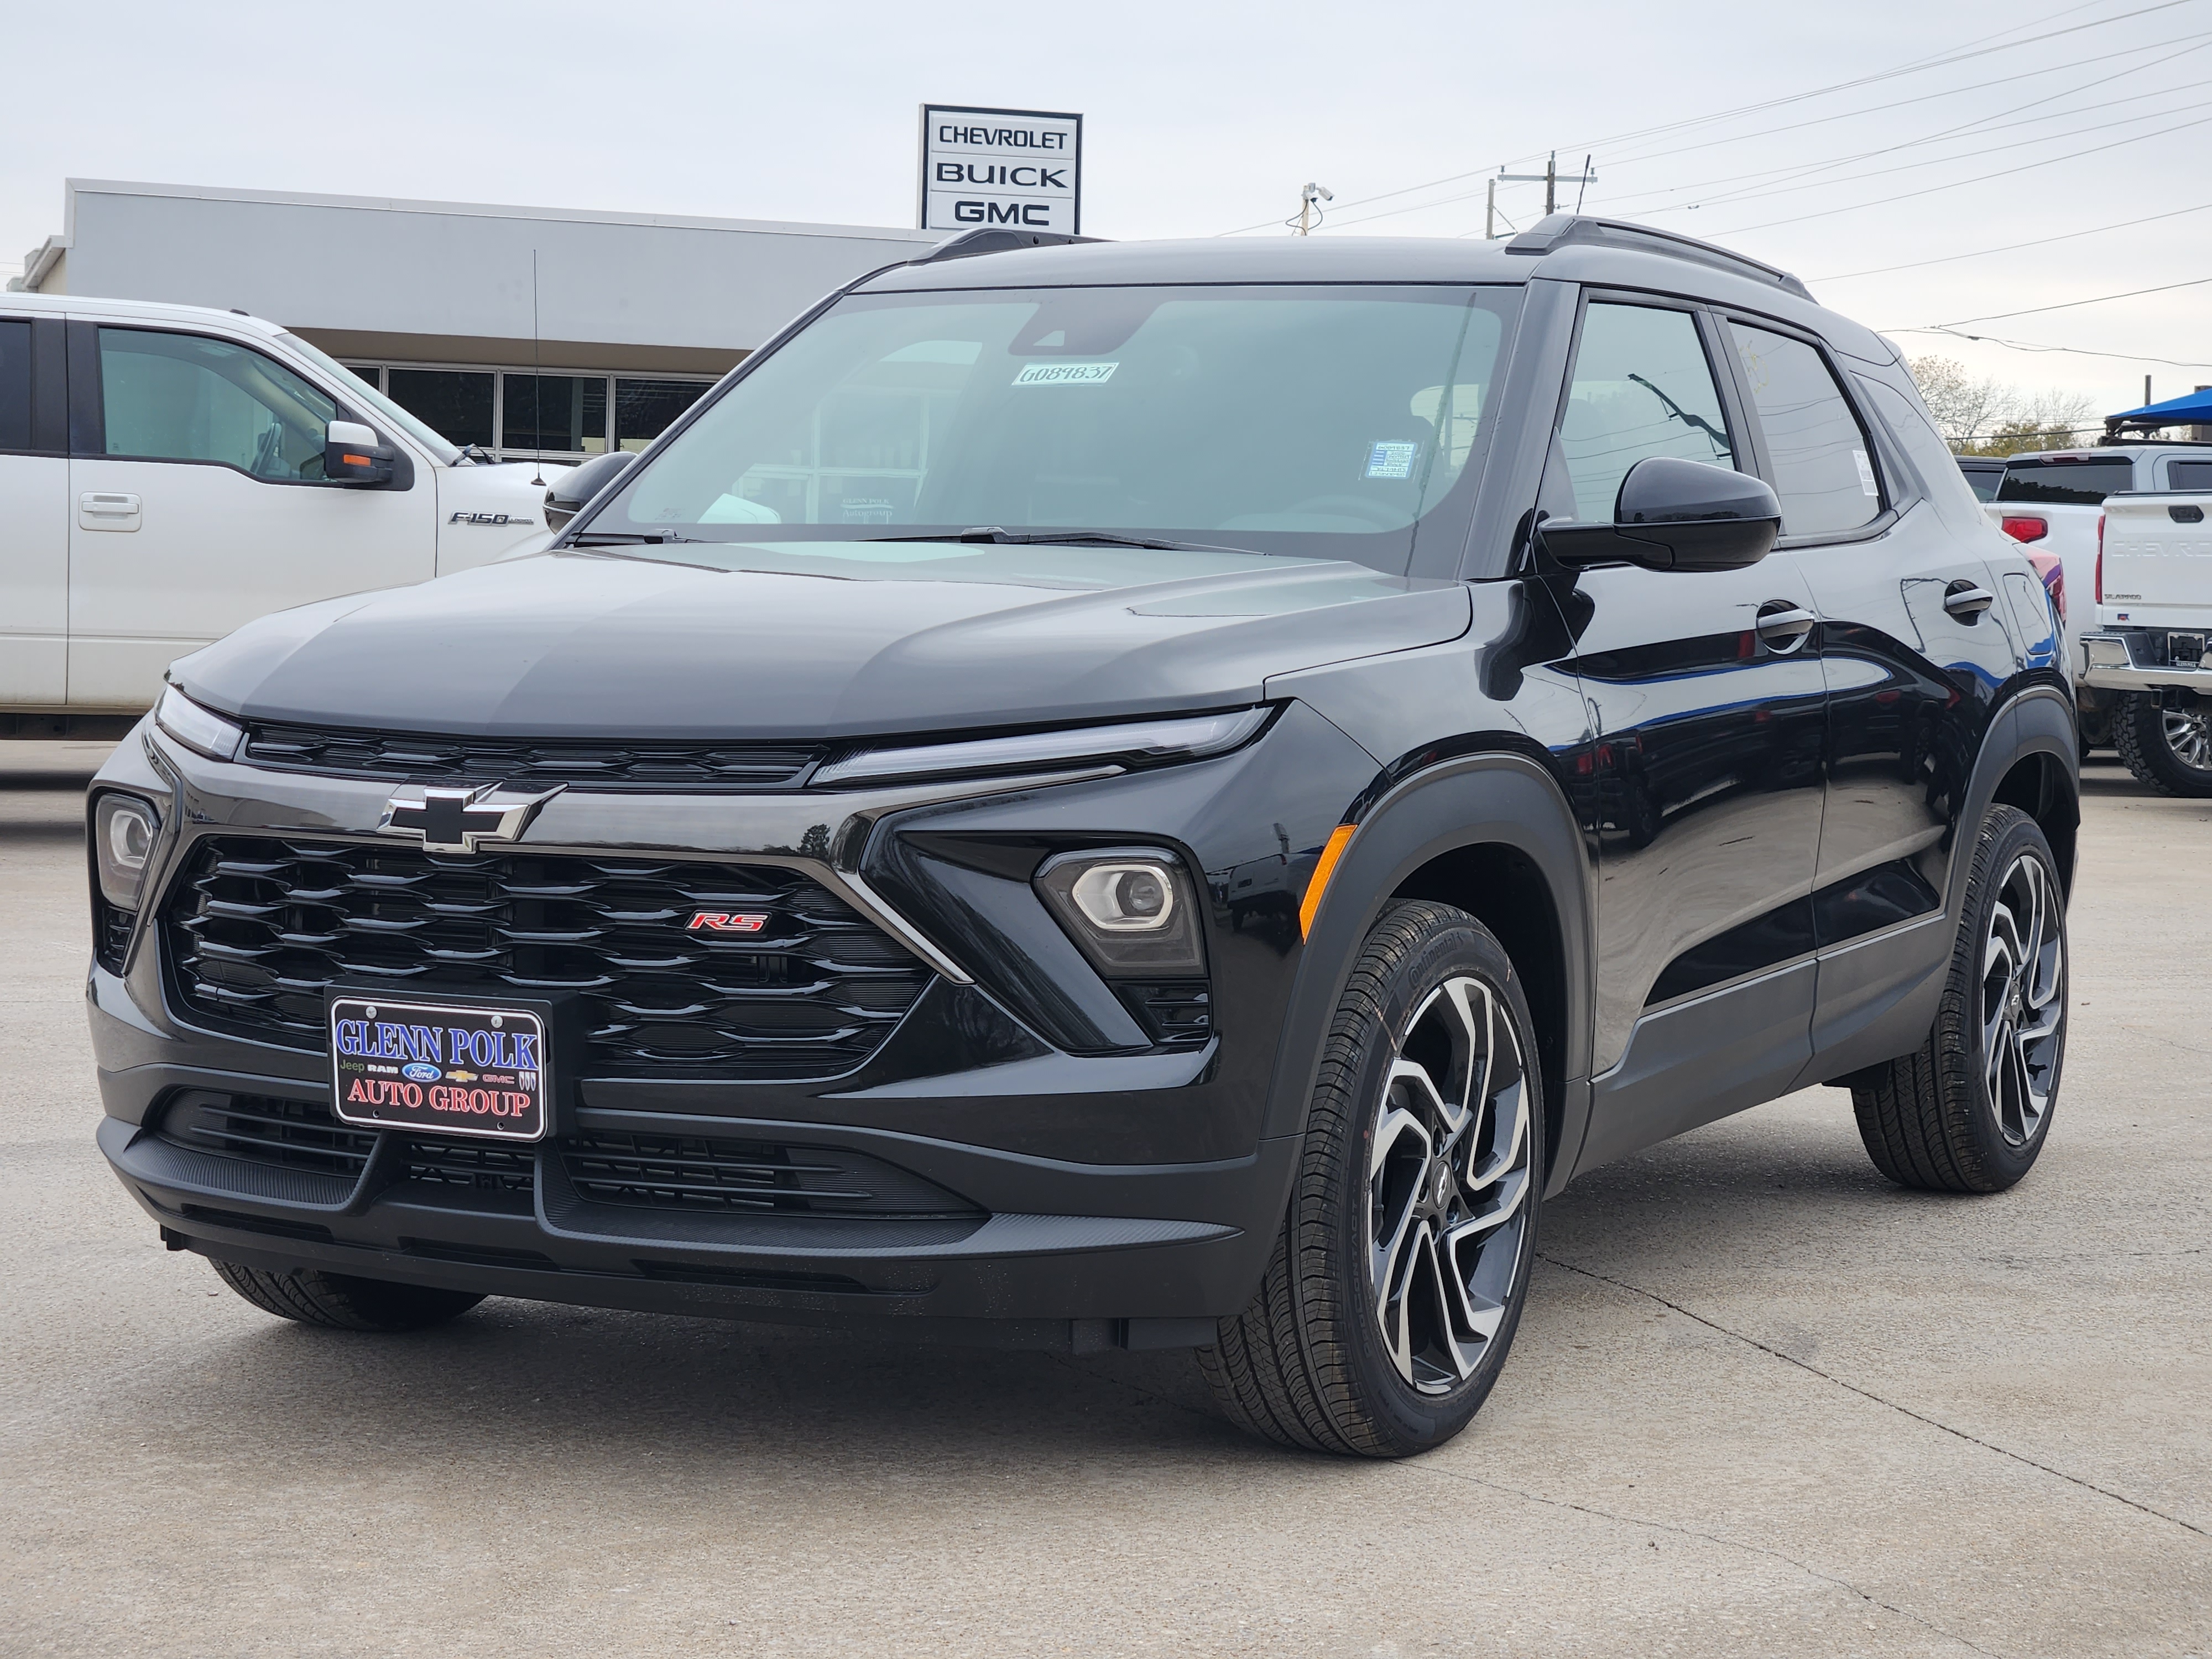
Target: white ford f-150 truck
[
  {"x": 168, "y": 473},
  {"x": 2055, "y": 502},
  {"x": 2145, "y": 647}
]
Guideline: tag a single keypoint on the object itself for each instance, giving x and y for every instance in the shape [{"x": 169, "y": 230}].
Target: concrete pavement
[{"x": 1761, "y": 1403}]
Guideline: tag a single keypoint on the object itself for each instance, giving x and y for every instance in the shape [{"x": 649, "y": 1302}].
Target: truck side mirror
[
  {"x": 1673, "y": 514},
  {"x": 566, "y": 495},
  {"x": 351, "y": 455}
]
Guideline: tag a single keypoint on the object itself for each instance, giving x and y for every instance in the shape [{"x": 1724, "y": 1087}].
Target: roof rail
[
  {"x": 994, "y": 238},
  {"x": 1560, "y": 230}
]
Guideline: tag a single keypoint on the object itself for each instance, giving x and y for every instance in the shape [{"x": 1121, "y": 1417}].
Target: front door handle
[
  {"x": 1967, "y": 600},
  {"x": 100, "y": 509},
  {"x": 1784, "y": 625}
]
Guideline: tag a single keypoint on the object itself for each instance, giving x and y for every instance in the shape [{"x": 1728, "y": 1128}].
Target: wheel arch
[
  {"x": 1495, "y": 835},
  {"x": 2039, "y": 771}
]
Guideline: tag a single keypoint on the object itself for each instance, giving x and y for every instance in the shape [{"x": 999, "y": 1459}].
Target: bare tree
[{"x": 1979, "y": 414}]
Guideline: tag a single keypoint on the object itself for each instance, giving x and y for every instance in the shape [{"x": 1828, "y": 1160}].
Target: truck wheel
[
  {"x": 2168, "y": 749},
  {"x": 1397, "y": 1279},
  {"x": 342, "y": 1302},
  {"x": 1970, "y": 1109}
]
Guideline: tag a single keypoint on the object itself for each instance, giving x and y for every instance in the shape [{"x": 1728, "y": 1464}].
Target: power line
[
  {"x": 2033, "y": 346},
  {"x": 1994, "y": 122},
  {"x": 1973, "y": 49},
  {"x": 2068, "y": 305},
  {"x": 1956, "y": 184},
  {"x": 2014, "y": 247}
]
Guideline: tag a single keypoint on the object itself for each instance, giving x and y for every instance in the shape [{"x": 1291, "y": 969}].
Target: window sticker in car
[
  {"x": 1067, "y": 373},
  {"x": 1391, "y": 461},
  {"x": 1866, "y": 473}
]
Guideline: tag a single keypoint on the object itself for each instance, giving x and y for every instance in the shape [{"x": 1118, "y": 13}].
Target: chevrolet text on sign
[{"x": 1018, "y": 168}]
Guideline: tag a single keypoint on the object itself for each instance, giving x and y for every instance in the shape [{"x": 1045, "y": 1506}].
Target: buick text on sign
[{"x": 1012, "y": 168}]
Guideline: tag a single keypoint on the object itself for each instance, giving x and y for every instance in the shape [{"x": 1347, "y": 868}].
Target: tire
[
  {"x": 1434, "y": 997},
  {"x": 1969, "y": 1111},
  {"x": 340, "y": 1302},
  {"x": 2169, "y": 750}
]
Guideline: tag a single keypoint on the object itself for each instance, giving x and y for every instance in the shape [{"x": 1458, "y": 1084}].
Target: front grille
[
  {"x": 257, "y": 930},
  {"x": 472, "y": 1163},
  {"x": 408, "y": 757},
  {"x": 291, "y": 1134},
  {"x": 697, "y": 1173}
]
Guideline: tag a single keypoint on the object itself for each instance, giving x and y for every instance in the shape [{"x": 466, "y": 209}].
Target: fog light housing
[
  {"x": 124, "y": 829},
  {"x": 1132, "y": 910}
]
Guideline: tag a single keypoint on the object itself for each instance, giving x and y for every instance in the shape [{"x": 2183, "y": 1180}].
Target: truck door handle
[
  {"x": 1967, "y": 600},
  {"x": 1784, "y": 625},
  {"x": 98, "y": 509}
]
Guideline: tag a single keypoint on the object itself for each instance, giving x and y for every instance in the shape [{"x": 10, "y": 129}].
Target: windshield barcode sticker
[
  {"x": 1066, "y": 374},
  {"x": 1391, "y": 461}
]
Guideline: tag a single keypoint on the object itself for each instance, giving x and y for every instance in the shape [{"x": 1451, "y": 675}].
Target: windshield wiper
[
  {"x": 625, "y": 538},
  {"x": 1001, "y": 536}
]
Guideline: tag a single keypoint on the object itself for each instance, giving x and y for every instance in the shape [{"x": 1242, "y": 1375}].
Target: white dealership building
[{"x": 528, "y": 331}]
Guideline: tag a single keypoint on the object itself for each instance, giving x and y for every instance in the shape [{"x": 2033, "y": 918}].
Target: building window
[
  {"x": 455, "y": 403},
  {"x": 553, "y": 414},
  {"x": 516, "y": 414},
  {"x": 646, "y": 408}
]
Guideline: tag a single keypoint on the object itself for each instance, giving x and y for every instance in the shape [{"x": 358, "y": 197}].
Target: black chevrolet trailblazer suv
[{"x": 1146, "y": 794}]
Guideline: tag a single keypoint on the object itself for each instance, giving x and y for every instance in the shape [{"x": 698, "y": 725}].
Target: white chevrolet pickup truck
[
  {"x": 2145, "y": 647},
  {"x": 2055, "y": 502},
  {"x": 168, "y": 473}
]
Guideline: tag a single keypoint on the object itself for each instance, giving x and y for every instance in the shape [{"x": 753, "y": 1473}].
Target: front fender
[{"x": 1499, "y": 798}]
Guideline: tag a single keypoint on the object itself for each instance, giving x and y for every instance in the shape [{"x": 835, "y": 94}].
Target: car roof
[
  {"x": 1598, "y": 252},
  {"x": 136, "y": 311}
]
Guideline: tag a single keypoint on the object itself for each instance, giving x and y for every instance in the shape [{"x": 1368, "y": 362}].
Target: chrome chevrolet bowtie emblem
[{"x": 455, "y": 820}]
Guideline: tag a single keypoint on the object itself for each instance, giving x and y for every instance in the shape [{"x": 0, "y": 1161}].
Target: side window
[
  {"x": 2189, "y": 475},
  {"x": 1641, "y": 387},
  {"x": 1822, "y": 470},
  {"x": 186, "y": 397},
  {"x": 1930, "y": 456},
  {"x": 15, "y": 384}
]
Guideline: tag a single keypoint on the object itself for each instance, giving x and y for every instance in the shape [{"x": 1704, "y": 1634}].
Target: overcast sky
[{"x": 1203, "y": 118}]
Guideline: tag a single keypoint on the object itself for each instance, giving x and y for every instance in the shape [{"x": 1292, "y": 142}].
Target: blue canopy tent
[{"x": 2194, "y": 410}]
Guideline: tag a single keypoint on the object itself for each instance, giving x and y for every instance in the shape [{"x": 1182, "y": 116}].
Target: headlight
[
  {"x": 1135, "y": 742},
  {"x": 201, "y": 730},
  {"x": 123, "y": 831},
  {"x": 1131, "y": 911}
]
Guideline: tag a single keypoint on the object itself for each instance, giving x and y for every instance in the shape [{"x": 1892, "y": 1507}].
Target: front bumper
[{"x": 1104, "y": 1197}]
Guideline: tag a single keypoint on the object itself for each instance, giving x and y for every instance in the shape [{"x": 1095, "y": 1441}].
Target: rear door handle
[
  {"x": 1784, "y": 625},
  {"x": 98, "y": 509},
  {"x": 1967, "y": 600}
]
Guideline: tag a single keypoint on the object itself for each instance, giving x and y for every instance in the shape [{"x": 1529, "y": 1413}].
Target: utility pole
[
  {"x": 1549, "y": 178},
  {"x": 1309, "y": 200}
]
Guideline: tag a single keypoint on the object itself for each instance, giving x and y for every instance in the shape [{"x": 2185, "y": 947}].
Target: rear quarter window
[
  {"x": 2189, "y": 475},
  {"x": 2067, "y": 482}
]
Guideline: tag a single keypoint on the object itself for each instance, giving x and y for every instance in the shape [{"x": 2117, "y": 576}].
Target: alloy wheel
[
  {"x": 2189, "y": 735},
  {"x": 2023, "y": 973},
  {"x": 1447, "y": 1185}
]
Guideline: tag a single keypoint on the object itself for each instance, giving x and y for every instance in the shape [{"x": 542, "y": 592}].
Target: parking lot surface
[{"x": 1762, "y": 1403}]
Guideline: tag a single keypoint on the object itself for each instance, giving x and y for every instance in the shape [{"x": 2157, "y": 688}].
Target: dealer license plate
[{"x": 438, "y": 1066}]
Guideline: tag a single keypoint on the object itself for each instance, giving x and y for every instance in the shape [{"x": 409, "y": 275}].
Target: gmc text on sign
[{"x": 1018, "y": 168}]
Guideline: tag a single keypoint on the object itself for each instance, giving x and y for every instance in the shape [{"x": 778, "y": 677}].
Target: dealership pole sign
[{"x": 1021, "y": 168}]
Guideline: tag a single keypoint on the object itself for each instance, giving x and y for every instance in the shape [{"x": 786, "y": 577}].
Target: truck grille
[
  {"x": 257, "y": 929},
  {"x": 408, "y": 757}
]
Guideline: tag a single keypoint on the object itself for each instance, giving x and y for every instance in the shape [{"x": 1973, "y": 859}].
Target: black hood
[{"x": 813, "y": 640}]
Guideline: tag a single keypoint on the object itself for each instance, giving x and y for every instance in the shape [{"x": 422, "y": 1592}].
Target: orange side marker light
[{"x": 1324, "y": 867}]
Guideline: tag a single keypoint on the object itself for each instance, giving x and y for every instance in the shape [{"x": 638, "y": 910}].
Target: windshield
[
  {"x": 1311, "y": 420},
  {"x": 2067, "y": 482},
  {"x": 362, "y": 393}
]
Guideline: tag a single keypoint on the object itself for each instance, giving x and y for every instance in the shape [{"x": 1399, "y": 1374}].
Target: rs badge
[{"x": 722, "y": 921}]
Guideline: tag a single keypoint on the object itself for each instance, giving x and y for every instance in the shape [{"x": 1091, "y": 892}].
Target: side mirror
[
  {"x": 1674, "y": 514},
  {"x": 566, "y": 495},
  {"x": 351, "y": 455}
]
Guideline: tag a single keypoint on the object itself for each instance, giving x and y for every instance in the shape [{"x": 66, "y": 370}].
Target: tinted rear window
[
  {"x": 2189, "y": 475},
  {"x": 1985, "y": 476},
  {"x": 2082, "y": 484}
]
